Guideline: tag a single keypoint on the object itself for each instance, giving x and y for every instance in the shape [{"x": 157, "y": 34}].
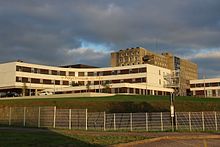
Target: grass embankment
[
  {"x": 60, "y": 138},
  {"x": 123, "y": 103}
]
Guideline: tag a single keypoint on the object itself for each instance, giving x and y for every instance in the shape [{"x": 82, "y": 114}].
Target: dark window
[
  {"x": 35, "y": 70},
  {"x": 106, "y": 73},
  {"x": 57, "y": 82},
  {"x": 45, "y": 81},
  {"x": 96, "y": 82},
  {"x": 81, "y": 74},
  {"x": 192, "y": 85},
  {"x": 135, "y": 70},
  {"x": 25, "y": 69},
  {"x": 54, "y": 72},
  {"x": 65, "y": 82},
  {"x": 200, "y": 92},
  {"x": 33, "y": 80},
  {"x": 90, "y": 73},
  {"x": 137, "y": 91},
  {"x": 123, "y": 90},
  {"x": 200, "y": 85},
  {"x": 71, "y": 73},
  {"x": 125, "y": 71},
  {"x": 128, "y": 80},
  {"x": 18, "y": 79},
  {"x": 81, "y": 83},
  {"x": 115, "y": 81},
  {"x": 143, "y": 79},
  {"x": 114, "y": 72},
  {"x": 142, "y": 69},
  {"x": 138, "y": 80},
  {"x": 25, "y": 80},
  {"x": 62, "y": 73},
  {"x": 99, "y": 73},
  {"x": 44, "y": 71},
  {"x": 18, "y": 68},
  {"x": 214, "y": 84}
]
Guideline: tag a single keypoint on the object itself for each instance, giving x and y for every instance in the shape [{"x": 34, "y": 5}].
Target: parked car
[
  {"x": 45, "y": 93},
  {"x": 2, "y": 94},
  {"x": 12, "y": 94}
]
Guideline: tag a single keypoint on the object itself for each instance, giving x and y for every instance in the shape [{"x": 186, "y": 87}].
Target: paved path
[
  {"x": 182, "y": 143},
  {"x": 159, "y": 139},
  {"x": 190, "y": 140}
]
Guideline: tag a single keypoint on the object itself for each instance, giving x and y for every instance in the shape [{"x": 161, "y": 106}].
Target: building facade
[
  {"x": 29, "y": 79},
  {"x": 205, "y": 87},
  {"x": 187, "y": 70}
]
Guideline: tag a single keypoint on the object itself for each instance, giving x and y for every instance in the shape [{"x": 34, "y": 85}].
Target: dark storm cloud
[{"x": 53, "y": 31}]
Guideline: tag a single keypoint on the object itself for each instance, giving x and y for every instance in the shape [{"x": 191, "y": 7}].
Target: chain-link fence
[{"x": 51, "y": 117}]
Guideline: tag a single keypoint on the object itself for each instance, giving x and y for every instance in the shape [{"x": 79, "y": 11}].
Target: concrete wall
[{"x": 7, "y": 74}]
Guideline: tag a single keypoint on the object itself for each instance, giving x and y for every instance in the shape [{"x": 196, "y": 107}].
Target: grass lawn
[
  {"x": 123, "y": 103},
  {"x": 60, "y": 138}
]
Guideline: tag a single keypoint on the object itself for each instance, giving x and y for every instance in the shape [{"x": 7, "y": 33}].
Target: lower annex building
[
  {"x": 205, "y": 87},
  {"x": 29, "y": 79}
]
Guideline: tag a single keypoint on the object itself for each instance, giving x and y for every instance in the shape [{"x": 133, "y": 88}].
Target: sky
[{"x": 61, "y": 32}]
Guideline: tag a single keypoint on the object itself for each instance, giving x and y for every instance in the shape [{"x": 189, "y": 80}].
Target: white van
[{"x": 45, "y": 93}]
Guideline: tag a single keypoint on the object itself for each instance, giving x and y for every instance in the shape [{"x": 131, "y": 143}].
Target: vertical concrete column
[
  {"x": 70, "y": 119},
  {"x": 38, "y": 124},
  {"x": 114, "y": 121},
  {"x": 86, "y": 119},
  {"x": 54, "y": 116},
  {"x": 131, "y": 122},
  {"x": 104, "y": 121},
  {"x": 35, "y": 92},
  {"x": 146, "y": 121},
  {"x": 153, "y": 92}
]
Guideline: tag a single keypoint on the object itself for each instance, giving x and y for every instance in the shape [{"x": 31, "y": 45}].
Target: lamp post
[{"x": 172, "y": 109}]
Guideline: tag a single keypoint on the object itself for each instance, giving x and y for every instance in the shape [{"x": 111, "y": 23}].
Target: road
[{"x": 182, "y": 143}]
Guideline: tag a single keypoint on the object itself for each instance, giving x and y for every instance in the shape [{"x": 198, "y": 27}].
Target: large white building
[
  {"x": 205, "y": 87},
  {"x": 29, "y": 79}
]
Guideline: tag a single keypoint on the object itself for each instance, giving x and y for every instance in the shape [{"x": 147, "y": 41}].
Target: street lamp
[{"x": 172, "y": 109}]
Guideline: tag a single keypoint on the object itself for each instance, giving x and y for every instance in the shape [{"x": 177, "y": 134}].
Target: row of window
[
  {"x": 216, "y": 84},
  {"x": 208, "y": 92},
  {"x": 63, "y": 82},
  {"x": 64, "y": 73}
]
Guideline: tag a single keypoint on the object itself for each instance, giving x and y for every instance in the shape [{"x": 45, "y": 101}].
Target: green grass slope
[{"x": 122, "y": 103}]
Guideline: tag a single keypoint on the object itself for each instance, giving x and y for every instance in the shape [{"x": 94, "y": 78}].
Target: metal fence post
[
  {"x": 54, "y": 116},
  {"x": 38, "y": 123},
  {"x": 24, "y": 118},
  {"x": 161, "y": 121},
  {"x": 176, "y": 123},
  {"x": 190, "y": 127},
  {"x": 104, "y": 119},
  {"x": 131, "y": 122},
  {"x": 203, "y": 122},
  {"x": 9, "y": 121},
  {"x": 70, "y": 119},
  {"x": 86, "y": 119},
  {"x": 146, "y": 121},
  {"x": 216, "y": 122},
  {"x": 114, "y": 121}
]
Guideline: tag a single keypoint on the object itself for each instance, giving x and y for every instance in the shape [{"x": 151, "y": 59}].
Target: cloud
[
  {"x": 44, "y": 31},
  {"x": 209, "y": 59},
  {"x": 90, "y": 56}
]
